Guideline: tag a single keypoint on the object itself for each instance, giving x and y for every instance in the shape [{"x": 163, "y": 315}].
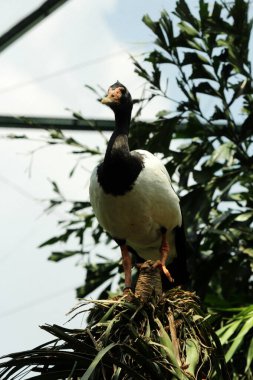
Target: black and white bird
[{"x": 133, "y": 199}]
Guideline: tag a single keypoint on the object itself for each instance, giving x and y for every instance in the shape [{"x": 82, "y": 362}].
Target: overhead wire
[
  {"x": 35, "y": 302},
  {"x": 17, "y": 187},
  {"x": 62, "y": 71},
  {"x": 16, "y": 248},
  {"x": 20, "y": 190}
]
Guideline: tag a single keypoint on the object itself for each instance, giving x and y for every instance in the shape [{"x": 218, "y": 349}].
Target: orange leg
[
  {"x": 164, "y": 253},
  {"x": 127, "y": 265}
]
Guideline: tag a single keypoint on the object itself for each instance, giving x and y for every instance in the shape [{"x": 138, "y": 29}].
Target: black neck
[
  {"x": 118, "y": 173},
  {"x": 122, "y": 121},
  {"x": 119, "y": 139}
]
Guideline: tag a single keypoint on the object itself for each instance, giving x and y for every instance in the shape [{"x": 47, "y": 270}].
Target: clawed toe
[
  {"x": 128, "y": 294},
  {"x": 159, "y": 264}
]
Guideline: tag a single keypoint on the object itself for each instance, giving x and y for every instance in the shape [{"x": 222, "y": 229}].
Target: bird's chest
[
  {"x": 123, "y": 216},
  {"x": 118, "y": 175},
  {"x": 138, "y": 214}
]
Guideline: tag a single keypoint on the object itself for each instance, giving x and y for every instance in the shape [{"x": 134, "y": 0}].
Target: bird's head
[{"x": 118, "y": 98}]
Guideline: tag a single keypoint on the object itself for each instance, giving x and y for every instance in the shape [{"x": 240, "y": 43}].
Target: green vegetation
[{"x": 167, "y": 338}]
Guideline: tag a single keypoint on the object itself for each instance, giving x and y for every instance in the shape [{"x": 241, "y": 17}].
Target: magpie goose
[{"x": 133, "y": 199}]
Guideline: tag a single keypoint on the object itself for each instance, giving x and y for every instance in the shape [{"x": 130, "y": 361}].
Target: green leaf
[
  {"x": 55, "y": 187},
  {"x": 225, "y": 152},
  {"x": 188, "y": 29},
  {"x": 201, "y": 72},
  {"x": 206, "y": 88},
  {"x": 194, "y": 44},
  {"x": 239, "y": 339},
  {"x": 247, "y": 126},
  {"x": 61, "y": 238},
  {"x": 217, "y": 8},
  {"x": 249, "y": 356},
  {"x": 183, "y": 12},
  {"x": 156, "y": 29},
  {"x": 56, "y": 134},
  {"x": 149, "y": 22},
  {"x": 148, "y": 329},
  {"x": 203, "y": 11},
  {"x": 162, "y": 113},
  {"x": 248, "y": 251},
  {"x": 157, "y": 57},
  {"x": 60, "y": 255},
  {"x": 96, "y": 275},
  {"x": 109, "y": 312},
  {"x": 19, "y": 137},
  {"x": 226, "y": 332},
  {"x": 167, "y": 26},
  {"x": 192, "y": 355},
  {"x": 96, "y": 361},
  {"x": 244, "y": 216},
  {"x": 205, "y": 174},
  {"x": 218, "y": 114},
  {"x": 194, "y": 58},
  {"x": 237, "y": 196},
  {"x": 169, "y": 349},
  {"x": 195, "y": 202}
]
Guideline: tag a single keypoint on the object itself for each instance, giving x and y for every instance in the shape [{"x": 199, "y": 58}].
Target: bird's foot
[
  {"x": 159, "y": 264},
  {"x": 128, "y": 294}
]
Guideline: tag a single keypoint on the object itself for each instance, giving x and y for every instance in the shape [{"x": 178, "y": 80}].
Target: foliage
[
  {"x": 233, "y": 333},
  {"x": 164, "y": 338},
  {"x": 209, "y": 54}
]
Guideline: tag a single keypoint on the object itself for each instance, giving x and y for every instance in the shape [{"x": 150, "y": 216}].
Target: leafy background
[{"x": 205, "y": 140}]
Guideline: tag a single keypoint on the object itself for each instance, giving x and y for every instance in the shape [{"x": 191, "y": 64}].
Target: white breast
[{"x": 138, "y": 215}]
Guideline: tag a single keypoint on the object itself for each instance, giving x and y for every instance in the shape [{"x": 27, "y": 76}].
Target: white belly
[{"x": 138, "y": 215}]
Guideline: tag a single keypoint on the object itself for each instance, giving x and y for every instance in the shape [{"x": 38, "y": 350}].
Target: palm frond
[
  {"x": 235, "y": 333},
  {"x": 166, "y": 337}
]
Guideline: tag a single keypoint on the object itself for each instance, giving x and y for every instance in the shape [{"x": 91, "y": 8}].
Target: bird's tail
[{"x": 178, "y": 268}]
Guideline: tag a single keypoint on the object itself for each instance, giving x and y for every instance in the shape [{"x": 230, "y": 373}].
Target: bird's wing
[{"x": 158, "y": 183}]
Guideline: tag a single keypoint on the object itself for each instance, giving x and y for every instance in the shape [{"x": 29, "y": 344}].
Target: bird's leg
[
  {"x": 127, "y": 266},
  {"x": 164, "y": 253}
]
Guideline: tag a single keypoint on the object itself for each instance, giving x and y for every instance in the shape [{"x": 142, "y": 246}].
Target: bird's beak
[
  {"x": 113, "y": 96},
  {"x": 107, "y": 100}
]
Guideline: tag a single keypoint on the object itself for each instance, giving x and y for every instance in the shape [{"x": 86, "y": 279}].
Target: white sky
[{"x": 100, "y": 35}]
